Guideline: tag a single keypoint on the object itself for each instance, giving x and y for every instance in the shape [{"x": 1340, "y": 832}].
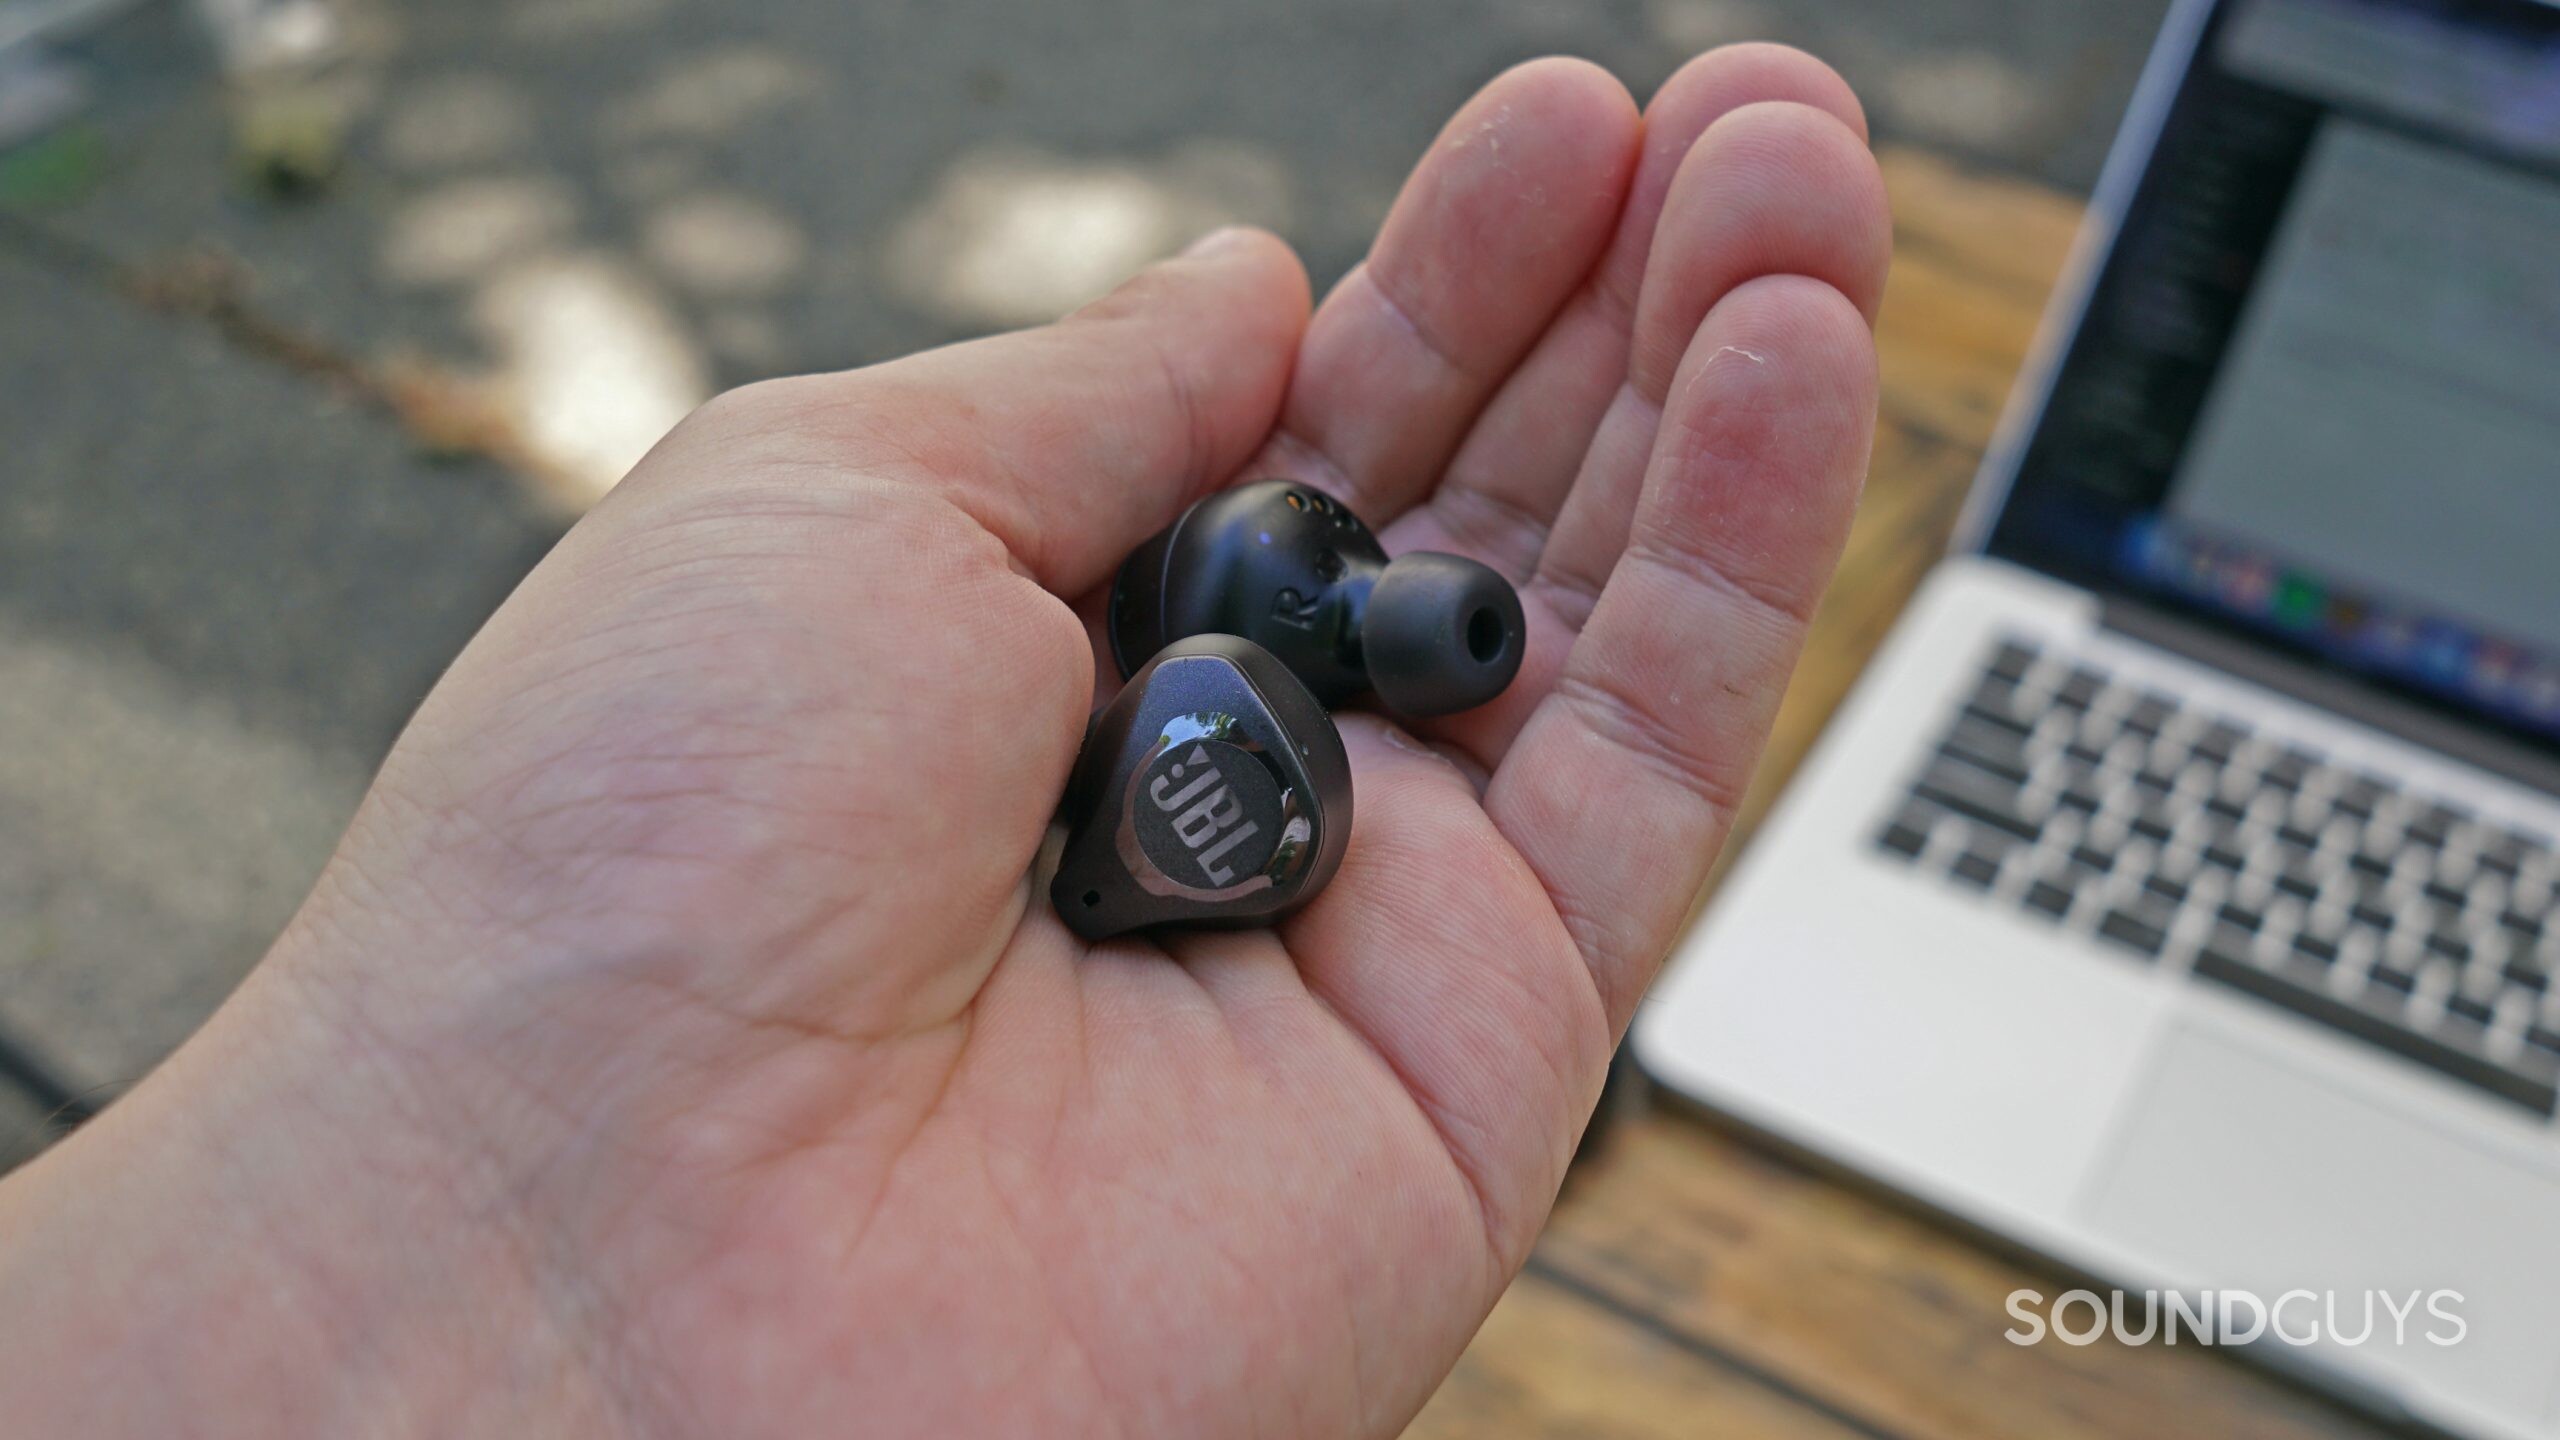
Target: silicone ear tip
[{"x": 1441, "y": 634}]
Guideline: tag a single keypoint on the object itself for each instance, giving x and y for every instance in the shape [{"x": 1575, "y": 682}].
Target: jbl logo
[{"x": 1212, "y": 812}]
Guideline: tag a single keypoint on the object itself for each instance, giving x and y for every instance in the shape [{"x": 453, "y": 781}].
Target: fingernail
[
  {"x": 1218, "y": 241},
  {"x": 1399, "y": 738}
]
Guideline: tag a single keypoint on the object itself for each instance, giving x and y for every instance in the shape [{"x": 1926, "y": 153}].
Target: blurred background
[{"x": 312, "y": 340}]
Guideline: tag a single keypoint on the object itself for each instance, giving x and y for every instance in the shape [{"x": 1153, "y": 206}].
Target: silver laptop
[{"x": 2179, "y": 892}]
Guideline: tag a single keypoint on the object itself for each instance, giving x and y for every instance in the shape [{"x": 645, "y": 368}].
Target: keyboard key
[
  {"x": 2090, "y": 774},
  {"x": 2482, "y": 982},
  {"x": 2434, "y": 825},
  {"x": 1991, "y": 705},
  {"x": 2306, "y": 994},
  {"x": 1906, "y": 841},
  {"x": 1995, "y": 748},
  {"x": 2464, "y": 1007},
  {"x": 2219, "y": 742},
  {"x": 2132, "y": 931},
  {"x": 1976, "y": 869},
  {"x": 2149, "y": 714},
  {"x": 2011, "y": 660},
  {"x": 2290, "y": 768},
  {"x": 2504, "y": 852},
  {"x": 2080, "y": 687},
  {"x": 2241, "y": 917},
  {"x": 2047, "y": 897},
  {"x": 2360, "y": 796},
  {"x": 1978, "y": 796}
]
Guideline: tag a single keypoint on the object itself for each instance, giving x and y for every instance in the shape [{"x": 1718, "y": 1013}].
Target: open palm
[{"x": 700, "y": 916}]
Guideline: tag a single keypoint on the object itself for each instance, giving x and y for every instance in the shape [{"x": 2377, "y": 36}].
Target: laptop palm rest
[{"x": 2238, "y": 1169}]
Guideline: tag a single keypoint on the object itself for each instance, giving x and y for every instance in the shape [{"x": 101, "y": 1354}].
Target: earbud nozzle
[{"x": 1441, "y": 634}]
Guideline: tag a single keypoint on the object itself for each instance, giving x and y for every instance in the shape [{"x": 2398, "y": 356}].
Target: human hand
[{"x": 680, "y": 1040}]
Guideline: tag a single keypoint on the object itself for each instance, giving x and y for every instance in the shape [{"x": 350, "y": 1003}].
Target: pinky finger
[{"x": 1624, "y": 781}]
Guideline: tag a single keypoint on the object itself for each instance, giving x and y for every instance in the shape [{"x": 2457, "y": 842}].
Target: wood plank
[
  {"x": 1881, "y": 1312},
  {"x": 1830, "y": 1308},
  {"x": 1552, "y": 1365}
]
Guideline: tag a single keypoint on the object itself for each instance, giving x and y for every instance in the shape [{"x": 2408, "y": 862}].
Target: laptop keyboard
[{"x": 2175, "y": 835}]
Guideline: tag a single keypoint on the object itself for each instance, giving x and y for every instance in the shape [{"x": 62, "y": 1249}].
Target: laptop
[{"x": 2178, "y": 893}]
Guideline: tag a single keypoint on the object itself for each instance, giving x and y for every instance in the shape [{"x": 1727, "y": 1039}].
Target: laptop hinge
[{"x": 2286, "y": 675}]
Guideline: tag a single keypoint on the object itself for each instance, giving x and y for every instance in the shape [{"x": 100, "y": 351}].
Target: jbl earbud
[
  {"x": 1287, "y": 567},
  {"x": 1214, "y": 792}
]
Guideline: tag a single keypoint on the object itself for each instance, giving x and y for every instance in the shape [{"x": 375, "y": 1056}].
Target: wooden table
[{"x": 1691, "y": 1284}]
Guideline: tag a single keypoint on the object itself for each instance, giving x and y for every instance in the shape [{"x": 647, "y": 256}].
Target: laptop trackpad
[{"x": 2237, "y": 1169}]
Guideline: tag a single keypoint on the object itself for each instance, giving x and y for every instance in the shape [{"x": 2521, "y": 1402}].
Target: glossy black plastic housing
[
  {"x": 1289, "y": 568},
  {"x": 1213, "y": 791}
]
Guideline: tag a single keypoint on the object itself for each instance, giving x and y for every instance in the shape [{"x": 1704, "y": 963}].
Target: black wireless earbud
[
  {"x": 1287, "y": 567},
  {"x": 1214, "y": 791}
]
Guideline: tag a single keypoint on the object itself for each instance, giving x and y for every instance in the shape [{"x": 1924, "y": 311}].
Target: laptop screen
[{"x": 2316, "y": 396}]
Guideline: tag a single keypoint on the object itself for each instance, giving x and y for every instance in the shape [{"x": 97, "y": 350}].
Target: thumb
[{"x": 777, "y": 702}]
